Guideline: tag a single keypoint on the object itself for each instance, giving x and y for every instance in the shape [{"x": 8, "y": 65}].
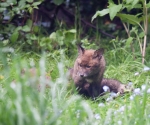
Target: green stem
[
  {"x": 145, "y": 31},
  {"x": 139, "y": 42}
]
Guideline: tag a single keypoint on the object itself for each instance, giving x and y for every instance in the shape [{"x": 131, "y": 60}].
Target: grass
[{"x": 22, "y": 103}]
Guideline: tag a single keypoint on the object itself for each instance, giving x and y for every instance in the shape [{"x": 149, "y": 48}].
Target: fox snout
[{"x": 83, "y": 75}]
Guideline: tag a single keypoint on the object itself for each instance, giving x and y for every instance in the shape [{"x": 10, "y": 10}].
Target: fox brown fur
[{"x": 88, "y": 71}]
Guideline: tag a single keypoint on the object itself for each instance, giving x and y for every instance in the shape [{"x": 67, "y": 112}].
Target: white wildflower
[
  {"x": 106, "y": 89},
  {"x": 143, "y": 87},
  {"x": 77, "y": 113},
  {"x": 137, "y": 91},
  {"x": 13, "y": 85},
  {"x": 146, "y": 68},
  {"x": 148, "y": 91},
  {"x": 115, "y": 112},
  {"x": 101, "y": 105},
  {"x": 130, "y": 84},
  {"x": 121, "y": 109},
  {"x": 119, "y": 122},
  {"x": 136, "y": 74},
  {"x": 109, "y": 99},
  {"x": 113, "y": 94},
  {"x": 97, "y": 116},
  {"x": 131, "y": 97}
]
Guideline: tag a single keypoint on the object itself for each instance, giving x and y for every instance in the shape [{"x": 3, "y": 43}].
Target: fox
[{"x": 88, "y": 71}]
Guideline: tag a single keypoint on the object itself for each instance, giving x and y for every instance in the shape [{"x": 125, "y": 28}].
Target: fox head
[{"x": 90, "y": 62}]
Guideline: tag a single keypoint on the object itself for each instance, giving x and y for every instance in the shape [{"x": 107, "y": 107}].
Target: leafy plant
[
  {"x": 13, "y": 30},
  {"x": 140, "y": 20}
]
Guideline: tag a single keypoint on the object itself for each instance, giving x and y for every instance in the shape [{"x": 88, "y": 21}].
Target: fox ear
[
  {"x": 80, "y": 49},
  {"x": 98, "y": 53}
]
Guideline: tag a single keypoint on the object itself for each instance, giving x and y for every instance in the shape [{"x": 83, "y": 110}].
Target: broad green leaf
[
  {"x": 129, "y": 7},
  {"x": 142, "y": 34},
  {"x": 14, "y": 36},
  {"x": 18, "y": 28},
  {"x": 134, "y": 3},
  {"x": 2, "y": 9},
  {"x": 22, "y": 4},
  {"x": 53, "y": 36},
  {"x": 114, "y": 9},
  {"x": 71, "y": 31},
  {"x": 110, "y": 1},
  {"x": 35, "y": 7},
  {"x": 100, "y": 13},
  {"x": 26, "y": 28},
  {"x": 35, "y": 29},
  {"x": 29, "y": 23},
  {"x": 137, "y": 6},
  {"x": 29, "y": 1},
  {"x": 69, "y": 37},
  {"x": 29, "y": 41},
  {"x": 132, "y": 19},
  {"x": 33, "y": 37},
  {"x": 11, "y": 1},
  {"x": 129, "y": 41},
  {"x": 60, "y": 37},
  {"x": 45, "y": 42},
  {"x": 58, "y": 2},
  {"x": 30, "y": 9},
  {"x": 4, "y": 4},
  {"x": 36, "y": 3},
  {"x": 27, "y": 6},
  {"x": 129, "y": 1},
  {"x": 134, "y": 30},
  {"x": 148, "y": 5}
]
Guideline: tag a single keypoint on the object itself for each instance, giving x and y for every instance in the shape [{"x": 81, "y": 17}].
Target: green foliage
[
  {"x": 58, "y": 2},
  {"x": 137, "y": 21},
  {"x": 100, "y": 13},
  {"x": 64, "y": 39},
  {"x": 16, "y": 7},
  {"x": 114, "y": 9},
  {"x": 132, "y": 19},
  {"x": 17, "y": 35},
  {"x": 30, "y": 36},
  {"x": 14, "y": 36}
]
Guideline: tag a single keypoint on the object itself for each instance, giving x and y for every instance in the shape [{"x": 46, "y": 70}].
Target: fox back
[{"x": 89, "y": 66}]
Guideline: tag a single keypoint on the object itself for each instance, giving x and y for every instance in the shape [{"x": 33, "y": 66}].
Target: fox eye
[
  {"x": 80, "y": 65},
  {"x": 88, "y": 66}
]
